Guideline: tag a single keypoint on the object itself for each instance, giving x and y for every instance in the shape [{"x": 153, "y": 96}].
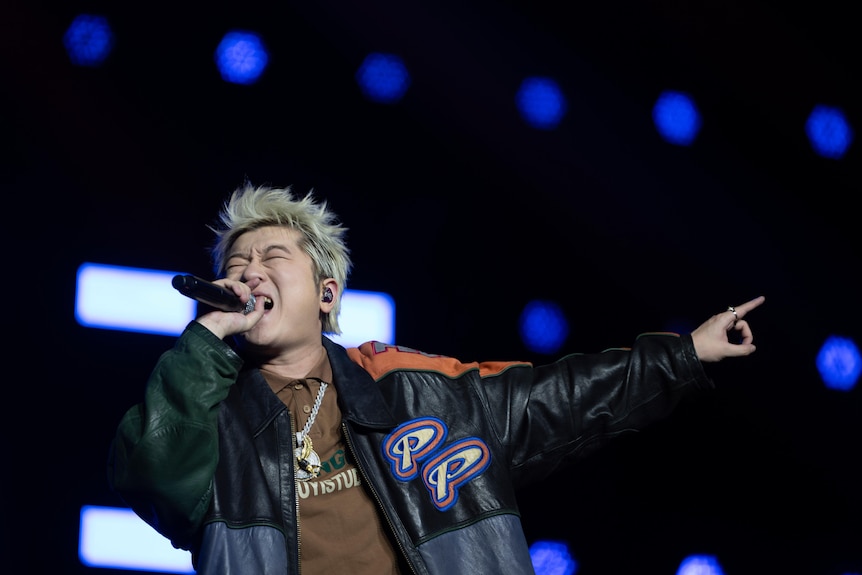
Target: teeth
[{"x": 267, "y": 303}]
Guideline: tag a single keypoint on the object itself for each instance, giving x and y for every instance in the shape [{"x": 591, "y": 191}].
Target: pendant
[{"x": 307, "y": 459}]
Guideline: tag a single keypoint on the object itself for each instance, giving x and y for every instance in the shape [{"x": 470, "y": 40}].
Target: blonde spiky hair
[{"x": 322, "y": 236}]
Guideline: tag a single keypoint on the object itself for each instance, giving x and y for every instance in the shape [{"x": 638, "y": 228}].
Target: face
[{"x": 270, "y": 261}]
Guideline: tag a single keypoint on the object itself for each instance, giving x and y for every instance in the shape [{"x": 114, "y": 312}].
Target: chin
[{"x": 252, "y": 340}]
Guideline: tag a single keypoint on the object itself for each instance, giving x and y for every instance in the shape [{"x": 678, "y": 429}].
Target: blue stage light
[
  {"x": 543, "y": 326},
  {"x": 676, "y": 118},
  {"x": 541, "y": 102},
  {"x": 552, "y": 558},
  {"x": 88, "y": 40},
  {"x": 241, "y": 57},
  {"x": 829, "y": 132},
  {"x": 383, "y": 78},
  {"x": 839, "y": 363},
  {"x": 700, "y": 565}
]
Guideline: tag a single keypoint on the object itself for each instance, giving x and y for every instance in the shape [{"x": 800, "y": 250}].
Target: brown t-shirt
[{"x": 340, "y": 528}]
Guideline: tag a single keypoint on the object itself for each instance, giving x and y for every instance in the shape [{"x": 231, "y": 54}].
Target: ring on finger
[{"x": 733, "y": 311}]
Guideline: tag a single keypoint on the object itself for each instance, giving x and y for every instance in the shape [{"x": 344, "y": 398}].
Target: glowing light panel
[
  {"x": 365, "y": 316},
  {"x": 676, "y": 117},
  {"x": 541, "y": 102},
  {"x": 543, "y": 326},
  {"x": 131, "y": 299},
  {"x": 88, "y": 40},
  {"x": 241, "y": 57},
  {"x": 116, "y": 538},
  {"x": 383, "y": 78}
]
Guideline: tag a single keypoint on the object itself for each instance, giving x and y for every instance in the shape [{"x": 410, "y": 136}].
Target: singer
[{"x": 257, "y": 431}]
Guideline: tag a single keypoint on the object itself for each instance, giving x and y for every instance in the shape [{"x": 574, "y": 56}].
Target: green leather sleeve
[{"x": 165, "y": 451}]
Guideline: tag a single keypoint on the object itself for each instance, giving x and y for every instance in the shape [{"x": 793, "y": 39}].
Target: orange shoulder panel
[{"x": 378, "y": 359}]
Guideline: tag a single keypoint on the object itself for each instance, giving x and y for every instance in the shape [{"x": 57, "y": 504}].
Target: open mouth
[{"x": 267, "y": 303}]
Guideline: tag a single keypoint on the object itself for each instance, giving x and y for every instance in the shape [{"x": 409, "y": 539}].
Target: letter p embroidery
[
  {"x": 410, "y": 443},
  {"x": 446, "y": 470},
  {"x": 457, "y": 464}
]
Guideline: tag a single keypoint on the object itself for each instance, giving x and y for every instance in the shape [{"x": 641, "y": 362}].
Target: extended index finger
[{"x": 743, "y": 309}]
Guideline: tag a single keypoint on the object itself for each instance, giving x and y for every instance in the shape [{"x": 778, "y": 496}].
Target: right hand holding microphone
[{"x": 234, "y": 308}]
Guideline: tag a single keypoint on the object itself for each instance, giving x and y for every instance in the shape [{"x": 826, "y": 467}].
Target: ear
[{"x": 328, "y": 294}]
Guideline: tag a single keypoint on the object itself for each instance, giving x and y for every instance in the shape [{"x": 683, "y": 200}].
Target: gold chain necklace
[{"x": 307, "y": 459}]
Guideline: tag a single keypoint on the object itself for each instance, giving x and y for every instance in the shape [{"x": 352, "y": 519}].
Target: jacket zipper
[
  {"x": 377, "y": 500},
  {"x": 295, "y": 496}
]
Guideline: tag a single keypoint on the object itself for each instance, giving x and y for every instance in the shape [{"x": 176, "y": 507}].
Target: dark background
[{"x": 464, "y": 213}]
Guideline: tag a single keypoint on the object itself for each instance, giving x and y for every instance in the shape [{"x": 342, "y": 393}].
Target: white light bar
[
  {"x": 131, "y": 299},
  {"x": 365, "y": 316},
  {"x": 116, "y": 538},
  {"x": 144, "y": 300}
]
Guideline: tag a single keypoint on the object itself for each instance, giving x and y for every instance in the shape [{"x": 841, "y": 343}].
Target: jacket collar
[{"x": 359, "y": 396}]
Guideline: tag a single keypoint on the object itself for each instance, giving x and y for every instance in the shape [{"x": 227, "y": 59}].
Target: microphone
[{"x": 211, "y": 294}]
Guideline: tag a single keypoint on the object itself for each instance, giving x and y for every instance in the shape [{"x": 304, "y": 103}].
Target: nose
[{"x": 253, "y": 273}]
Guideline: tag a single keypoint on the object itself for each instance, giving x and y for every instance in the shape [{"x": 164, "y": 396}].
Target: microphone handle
[{"x": 211, "y": 294}]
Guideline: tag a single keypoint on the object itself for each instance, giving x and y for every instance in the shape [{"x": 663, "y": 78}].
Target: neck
[{"x": 296, "y": 363}]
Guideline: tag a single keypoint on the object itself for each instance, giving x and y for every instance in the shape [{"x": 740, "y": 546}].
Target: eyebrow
[{"x": 246, "y": 255}]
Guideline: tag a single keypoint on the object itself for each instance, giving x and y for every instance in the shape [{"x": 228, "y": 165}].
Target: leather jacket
[{"x": 442, "y": 446}]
